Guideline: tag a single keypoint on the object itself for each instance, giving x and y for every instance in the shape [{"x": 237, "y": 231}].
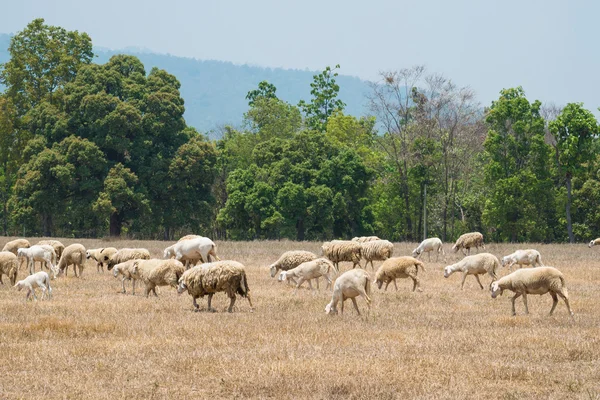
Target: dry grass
[{"x": 91, "y": 342}]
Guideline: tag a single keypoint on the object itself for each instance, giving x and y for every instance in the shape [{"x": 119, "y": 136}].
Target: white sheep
[
  {"x": 220, "y": 276},
  {"x": 98, "y": 256},
  {"x": 342, "y": 250},
  {"x": 39, "y": 279},
  {"x": 201, "y": 247},
  {"x": 364, "y": 239},
  {"x": 399, "y": 267},
  {"x": 321, "y": 267},
  {"x": 169, "y": 252},
  {"x": 540, "y": 281},
  {"x": 56, "y": 245},
  {"x": 594, "y": 243},
  {"x": 427, "y": 246},
  {"x": 156, "y": 272},
  {"x": 43, "y": 253},
  {"x": 9, "y": 266},
  {"x": 468, "y": 240},
  {"x": 291, "y": 259},
  {"x": 72, "y": 255},
  {"x": 14, "y": 245},
  {"x": 349, "y": 285},
  {"x": 123, "y": 255},
  {"x": 474, "y": 265},
  {"x": 523, "y": 257},
  {"x": 124, "y": 269},
  {"x": 376, "y": 250}
]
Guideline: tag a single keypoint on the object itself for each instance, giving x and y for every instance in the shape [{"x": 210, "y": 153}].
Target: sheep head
[
  {"x": 592, "y": 243},
  {"x": 282, "y": 276},
  {"x": 415, "y": 252},
  {"x": 379, "y": 283},
  {"x": 182, "y": 287},
  {"x": 496, "y": 289},
  {"x": 329, "y": 309},
  {"x": 448, "y": 271},
  {"x": 88, "y": 255},
  {"x": 504, "y": 260},
  {"x": 19, "y": 285},
  {"x": 273, "y": 268},
  {"x": 455, "y": 248}
]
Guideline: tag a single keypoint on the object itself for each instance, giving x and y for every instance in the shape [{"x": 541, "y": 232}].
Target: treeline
[{"x": 91, "y": 150}]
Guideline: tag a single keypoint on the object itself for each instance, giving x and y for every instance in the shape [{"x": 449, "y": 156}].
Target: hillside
[{"x": 215, "y": 91}]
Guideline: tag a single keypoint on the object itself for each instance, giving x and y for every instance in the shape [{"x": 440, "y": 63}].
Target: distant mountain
[{"x": 215, "y": 91}]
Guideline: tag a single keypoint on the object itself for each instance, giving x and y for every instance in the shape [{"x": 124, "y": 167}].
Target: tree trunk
[
  {"x": 47, "y": 225},
  {"x": 115, "y": 225},
  {"x": 425, "y": 212},
  {"x": 300, "y": 229},
  {"x": 166, "y": 234},
  {"x": 569, "y": 223}
]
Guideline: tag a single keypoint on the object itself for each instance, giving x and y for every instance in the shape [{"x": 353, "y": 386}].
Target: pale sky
[{"x": 549, "y": 47}]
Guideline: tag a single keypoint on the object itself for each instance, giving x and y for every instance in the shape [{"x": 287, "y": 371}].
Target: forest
[{"x": 95, "y": 150}]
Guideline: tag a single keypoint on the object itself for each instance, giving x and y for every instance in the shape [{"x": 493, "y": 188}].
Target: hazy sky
[{"x": 549, "y": 47}]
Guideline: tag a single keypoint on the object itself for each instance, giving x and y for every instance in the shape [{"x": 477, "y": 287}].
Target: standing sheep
[
  {"x": 157, "y": 272},
  {"x": 468, "y": 240},
  {"x": 210, "y": 278},
  {"x": 474, "y": 265},
  {"x": 14, "y": 245},
  {"x": 43, "y": 253},
  {"x": 594, "y": 243},
  {"x": 98, "y": 256},
  {"x": 321, "y": 267},
  {"x": 349, "y": 285},
  {"x": 399, "y": 267},
  {"x": 378, "y": 250},
  {"x": 429, "y": 245},
  {"x": 39, "y": 279},
  {"x": 523, "y": 257},
  {"x": 342, "y": 250},
  {"x": 72, "y": 255},
  {"x": 56, "y": 245},
  {"x": 124, "y": 269},
  {"x": 9, "y": 265},
  {"x": 291, "y": 259},
  {"x": 202, "y": 248},
  {"x": 123, "y": 255},
  {"x": 540, "y": 281},
  {"x": 364, "y": 239}
]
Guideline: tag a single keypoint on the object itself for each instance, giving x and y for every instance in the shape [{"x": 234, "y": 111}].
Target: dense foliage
[{"x": 103, "y": 149}]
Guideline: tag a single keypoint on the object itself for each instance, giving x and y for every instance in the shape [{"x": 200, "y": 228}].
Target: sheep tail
[
  {"x": 243, "y": 289},
  {"x": 420, "y": 264}
]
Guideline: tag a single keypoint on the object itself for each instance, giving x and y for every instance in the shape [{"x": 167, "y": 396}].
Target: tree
[
  {"x": 265, "y": 90},
  {"x": 324, "y": 102},
  {"x": 575, "y": 131}
]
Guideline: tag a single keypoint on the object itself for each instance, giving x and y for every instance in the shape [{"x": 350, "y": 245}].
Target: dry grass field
[{"x": 91, "y": 342}]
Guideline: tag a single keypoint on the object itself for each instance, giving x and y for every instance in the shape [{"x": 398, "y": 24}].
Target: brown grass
[{"x": 91, "y": 342}]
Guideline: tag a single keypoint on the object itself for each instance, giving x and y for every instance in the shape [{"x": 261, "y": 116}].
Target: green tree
[
  {"x": 265, "y": 90},
  {"x": 324, "y": 102},
  {"x": 575, "y": 131}
]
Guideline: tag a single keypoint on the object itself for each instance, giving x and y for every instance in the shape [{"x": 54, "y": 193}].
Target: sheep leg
[
  {"x": 462, "y": 285},
  {"x": 33, "y": 293},
  {"x": 123, "y": 283},
  {"x": 43, "y": 291},
  {"x": 80, "y": 270},
  {"x": 355, "y": 305},
  {"x": 478, "y": 281},
  {"x": 231, "y": 303},
  {"x": 154, "y": 291},
  {"x": 196, "y": 306},
  {"x": 342, "y": 306},
  {"x": 133, "y": 287},
  {"x": 554, "y": 302},
  {"x": 209, "y": 301},
  {"x": 525, "y": 303},
  {"x": 514, "y": 312},
  {"x": 416, "y": 284},
  {"x": 386, "y": 285},
  {"x": 317, "y": 281},
  {"x": 328, "y": 279},
  {"x": 395, "y": 285}
]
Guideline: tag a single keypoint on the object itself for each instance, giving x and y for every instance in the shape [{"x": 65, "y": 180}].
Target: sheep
[
  {"x": 73, "y": 254},
  {"x": 123, "y": 255},
  {"x": 528, "y": 257},
  {"x": 399, "y": 267},
  {"x": 594, "y": 243},
  {"x": 468, "y": 240},
  {"x": 9, "y": 265},
  {"x": 98, "y": 256},
  {"x": 193, "y": 260},
  {"x": 429, "y": 245},
  {"x": 321, "y": 267},
  {"x": 291, "y": 259},
  {"x": 379, "y": 250},
  {"x": 157, "y": 272},
  {"x": 39, "y": 279},
  {"x": 56, "y": 245},
  {"x": 474, "y": 265},
  {"x": 342, "y": 250},
  {"x": 364, "y": 239},
  {"x": 124, "y": 269},
  {"x": 349, "y": 285},
  {"x": 15, "y": 245},
  {"x": 201, "y": 247},
  {"x": 540, "y": 281},
  {"x": 43, "y": 253},
  {"x": 210, "y": 278}
]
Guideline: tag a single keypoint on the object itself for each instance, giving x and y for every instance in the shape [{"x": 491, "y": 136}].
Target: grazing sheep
[
  {"x": 291, "y": 259},
  {"x": 124, "y": 269},
  {"x": 342, "y": 250},
  {"x": 540, "y": 281},
  {"x": 98, "y": 256},
  {"x": 468, "y": 240},
  {"x": 321, "y": 267},
  {"x": 199, "y": 248},
  {"x": 39, "y": 279},
  {"x": 350, "y": 284},
  {"x": 15, "y": 245},
  {"x": 427, "y": 246},
  {"x": 474, "y": 265},
  {"x": 43, "y": 253},
  {"x": 56, "y": 245},
  {"x": 378, "y": 250},
  {"x": 210, "y": 278},
  {"x": 157, "y": 272},
  {"x": 364, "y": 239},
  {"x": 72, "y": 255},
  {"x": 9, "y": 265},
  {"x": 528, "y": 257},
  {"x": 399, "y": 267},
  {"x": 594, "y": 243},
  {"x": 123, "y": 255}
]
